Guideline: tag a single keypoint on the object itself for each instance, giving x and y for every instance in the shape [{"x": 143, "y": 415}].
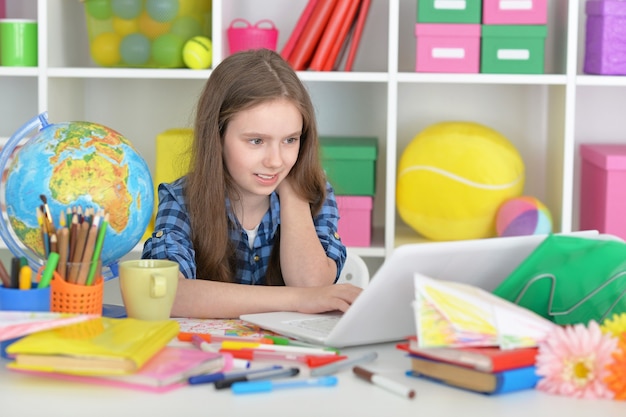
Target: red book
[
  {"x": 297, "y": 30},
  {"x": 341, "y": 15},
  {"x": 358, "y": 31},
  {"x": 343, "y": 38},
  {"x": 307, "y": 42},
  {"x": 484, "y": 359}
]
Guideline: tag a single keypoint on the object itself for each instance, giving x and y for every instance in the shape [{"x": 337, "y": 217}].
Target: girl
[{"x": 255, "y": 208}]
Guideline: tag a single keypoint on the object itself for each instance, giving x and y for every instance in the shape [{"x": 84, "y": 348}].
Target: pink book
[
  {"x": 298, "y": 29},
  {"x": 167, "y": 370}
]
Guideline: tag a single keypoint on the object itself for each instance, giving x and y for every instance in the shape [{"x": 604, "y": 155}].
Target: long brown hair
[{"x": 242, "y": 81}]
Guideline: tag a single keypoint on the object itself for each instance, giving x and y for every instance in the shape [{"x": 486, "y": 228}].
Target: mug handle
[{"x": 158, "y": 286}]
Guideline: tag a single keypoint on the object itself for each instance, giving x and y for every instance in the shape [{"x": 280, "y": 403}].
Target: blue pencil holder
[{"x": 12, "y": 299}]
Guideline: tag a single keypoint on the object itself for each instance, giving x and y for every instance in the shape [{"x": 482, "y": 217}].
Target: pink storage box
[
  {"x": 447, "y": 47},
  {"x": 603, "y": 189},
  {"x": 355, "y": 220},
  {"x": 515, "y": 12}
]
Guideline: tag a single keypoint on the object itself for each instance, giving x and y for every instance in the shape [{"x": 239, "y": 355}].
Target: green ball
[
  {"x": 99, "y": 9},
  {"x": 135, "y": 49},
  {"x": 126, "y": 9},
  {"x": 167, "y": 51},
  {"x": 162, "y": 10},
  {"x": 186, "y": 27}
]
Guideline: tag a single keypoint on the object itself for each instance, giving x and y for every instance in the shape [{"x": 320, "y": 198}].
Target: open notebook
[{"x": 383, "y": 312}]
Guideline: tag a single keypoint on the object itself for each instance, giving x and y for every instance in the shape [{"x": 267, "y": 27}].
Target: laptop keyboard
[{"x": 322, "y": 325}]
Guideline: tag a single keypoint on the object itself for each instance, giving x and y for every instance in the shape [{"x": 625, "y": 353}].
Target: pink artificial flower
[{"x": 573, "y": 360}]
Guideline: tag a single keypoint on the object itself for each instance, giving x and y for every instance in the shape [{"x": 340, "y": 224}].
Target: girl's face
[{"x": 261, "y": 146}]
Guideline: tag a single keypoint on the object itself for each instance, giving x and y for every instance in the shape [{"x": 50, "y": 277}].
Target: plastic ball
[
  {"x": 135, "y": 49},
  {"x": 197, "y": 53},
  {"x": 186, "y": 7},
  {"x": 453, "y": 177},
  {"x": 162, "y": 10},
  {"x": 186, "y": 27},
  {"x": 151, "y": 28},
  {"x": 524, "y": 215},
  {"x": 125, "y": 26},
  {"x": 167, "y": 51},
  {"x": 126, "y": 9},
  {"x": 99, "y": 9},
  {"x": 105, "y": 49}
]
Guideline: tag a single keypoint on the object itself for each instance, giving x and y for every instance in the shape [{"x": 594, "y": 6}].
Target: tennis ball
[
  {"x": 197, "y": 53},
  {"x": 523, "y": 215},
  {"x": 105, "y": 49},
  {"x": 453, "y": 177}
]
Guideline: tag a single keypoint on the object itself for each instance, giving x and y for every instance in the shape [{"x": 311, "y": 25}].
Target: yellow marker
[{"x": 25, "y": 278}]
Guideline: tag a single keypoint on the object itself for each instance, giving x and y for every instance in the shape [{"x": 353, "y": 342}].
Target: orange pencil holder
[{"x": 67, "y": 297}]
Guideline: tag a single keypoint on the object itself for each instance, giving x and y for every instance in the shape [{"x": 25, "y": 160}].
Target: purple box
[{"x": 605, "y": 39}]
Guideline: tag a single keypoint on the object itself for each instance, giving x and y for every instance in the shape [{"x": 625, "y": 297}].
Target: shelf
[{"x": 546, "y": 116}]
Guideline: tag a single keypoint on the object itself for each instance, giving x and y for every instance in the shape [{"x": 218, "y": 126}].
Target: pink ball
[{"x": 521, "y": 216}]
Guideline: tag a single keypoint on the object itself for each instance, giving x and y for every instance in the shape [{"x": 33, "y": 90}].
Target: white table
[{"x": 24, "y": 396}]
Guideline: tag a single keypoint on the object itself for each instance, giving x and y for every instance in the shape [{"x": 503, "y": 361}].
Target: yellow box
[{"x": 173, "y": 152}]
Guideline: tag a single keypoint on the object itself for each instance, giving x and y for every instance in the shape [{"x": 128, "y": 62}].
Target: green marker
[
  {"x": 97, "y": 251},
  {"x": 51, "y": 266}
]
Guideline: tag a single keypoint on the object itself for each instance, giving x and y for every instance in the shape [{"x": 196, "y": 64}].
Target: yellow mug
[{"x": 148, "y": 288}]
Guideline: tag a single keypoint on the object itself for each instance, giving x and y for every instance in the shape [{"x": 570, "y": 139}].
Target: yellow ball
[
  {"x": 197, "y": 53},
  {"x": 452, "y": 178},
  {"x": 105, "y": 49}
]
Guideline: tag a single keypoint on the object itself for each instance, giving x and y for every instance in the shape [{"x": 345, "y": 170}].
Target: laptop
[{"x": 383, "y": 312}]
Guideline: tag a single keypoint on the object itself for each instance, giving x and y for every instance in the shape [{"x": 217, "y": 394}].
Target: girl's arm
[
  {"x": 211, "y": 299},
  {"x": 303, "y": 260}
]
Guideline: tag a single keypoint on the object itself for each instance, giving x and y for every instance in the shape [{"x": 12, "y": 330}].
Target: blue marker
[
  {"x": 219, "y": 376},
  {"x": 253, "y": 387}
]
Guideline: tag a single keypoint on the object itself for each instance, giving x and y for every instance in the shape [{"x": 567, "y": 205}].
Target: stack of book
[
  {"x": 487, "y": 370},
  {"x": 125, "y": 353},
  {"x": 323, "y": 33}
]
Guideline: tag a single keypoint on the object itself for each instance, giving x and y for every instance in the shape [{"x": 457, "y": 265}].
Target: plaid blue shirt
[{"x": 171, "y": 238}]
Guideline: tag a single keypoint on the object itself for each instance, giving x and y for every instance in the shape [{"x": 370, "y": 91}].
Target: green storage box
[
  {"x": 513, "y": 49},
  {"x": 350, "y": 163},
  {"x": 449, "y": 11}
]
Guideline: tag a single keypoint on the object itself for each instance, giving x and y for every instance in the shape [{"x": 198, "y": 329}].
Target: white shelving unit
[{"x": 546, "y": 116}]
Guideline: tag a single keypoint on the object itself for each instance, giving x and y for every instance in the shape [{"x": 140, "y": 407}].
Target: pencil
[
  {"x": 4, "y": 276},
  {"x": 25, "y": 277},
  {"x": 64, "y": 237},
  {"x": 88, "y": 252},
  {"x": 81, "y": 238},
  {"x": 98, "y": 249},
  {"x": 15, "y": 272},
  {"x": 73, "y": 237}
]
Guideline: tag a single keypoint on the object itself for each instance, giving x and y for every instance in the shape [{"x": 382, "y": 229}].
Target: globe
[{"x": 73, "y": 164}]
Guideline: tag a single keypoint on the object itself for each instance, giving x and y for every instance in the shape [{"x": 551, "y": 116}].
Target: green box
[
  {"x": 350, "y": 163},
  {"x": 513, "y": 49},
  {"x": 451, "y": 11}
]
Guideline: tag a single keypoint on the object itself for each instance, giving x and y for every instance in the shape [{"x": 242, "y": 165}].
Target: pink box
[
  {"x": 355, "y": 220},
  {"x": 603, "y": 189},
  {"x": 515, "y": 12},
  {"x": 447, "y": 47}
]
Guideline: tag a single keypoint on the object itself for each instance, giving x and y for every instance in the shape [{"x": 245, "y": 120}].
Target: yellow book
[{"x": 99, "y": 346}]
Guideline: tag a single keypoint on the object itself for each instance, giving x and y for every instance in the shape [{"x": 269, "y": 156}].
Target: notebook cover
[
  {"x": 358, "y": 31},
  {"x": 315, "y": 26},
  {"x": 19, "y": 323},
  {"x": 485, "y": 359},
  {"x": 98, "y": 346},
  {"x": 297, "y": 30},
  {"x": 168, "y": 369},
  {"x": 330, "y": 37}
]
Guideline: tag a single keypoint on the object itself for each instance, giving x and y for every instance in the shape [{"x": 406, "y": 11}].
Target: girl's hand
[{"x": 328, "y": 298}]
